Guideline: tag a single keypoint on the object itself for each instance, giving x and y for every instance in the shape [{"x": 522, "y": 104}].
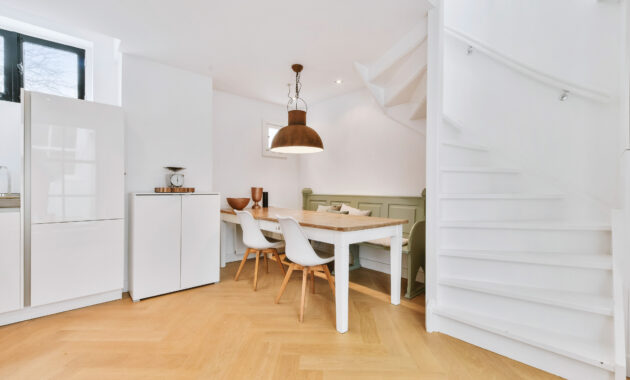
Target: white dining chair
[
  {"x": 256, "y": 242},
  {"x": 303, "y": 257}
]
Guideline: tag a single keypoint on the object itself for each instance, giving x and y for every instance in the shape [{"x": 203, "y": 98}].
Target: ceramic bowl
[{"x": 238, "y": 203}]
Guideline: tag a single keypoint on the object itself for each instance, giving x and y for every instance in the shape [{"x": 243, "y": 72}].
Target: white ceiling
[{"x": 248, "y": 46}]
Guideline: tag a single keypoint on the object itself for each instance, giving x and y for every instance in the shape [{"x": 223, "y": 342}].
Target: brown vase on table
[{"x": 257, "y": 193}]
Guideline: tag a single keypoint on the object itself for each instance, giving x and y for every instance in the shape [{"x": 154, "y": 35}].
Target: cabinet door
[
  {"x": 71, "y": 260},
  {"x": 200, "y": 240},
  {"x": 10, "y": 257},
  {"x": 155, "y": 245},
  {"x": 77, "y": 160}
]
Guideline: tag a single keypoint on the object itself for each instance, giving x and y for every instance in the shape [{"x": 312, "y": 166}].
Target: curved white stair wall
[
  {"x": 398, "y": 79},
  {"x": 524, "y": 188},
  {"x": 571, "y": 143}
]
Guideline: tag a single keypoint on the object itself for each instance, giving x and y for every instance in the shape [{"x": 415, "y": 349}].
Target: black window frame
[{"x": 14, "y": 60}]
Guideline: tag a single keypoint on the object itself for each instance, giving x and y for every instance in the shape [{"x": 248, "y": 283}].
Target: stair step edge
[
  {"x": 526, "y": 226},
  {"x": 511, "y": 196},
  {"x": 520, "y": 293},
  {"x": 461, "y": 145},
  {"x": 478, "y": 169},
  {"x": 538, "y": 258},
  {"x": 600, "y": 359}
]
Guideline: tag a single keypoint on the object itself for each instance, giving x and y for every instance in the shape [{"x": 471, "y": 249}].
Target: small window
[
  {"x": 40, "y": 65},
  {"x": 2, "y": 85},
  {"x": 269, "y": 131}
]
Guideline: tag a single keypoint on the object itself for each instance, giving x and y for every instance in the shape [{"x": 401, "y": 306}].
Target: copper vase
[{"x": 257, "y": 193}]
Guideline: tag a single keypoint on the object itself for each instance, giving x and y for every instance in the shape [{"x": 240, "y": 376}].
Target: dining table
[{"x": 341, "y": 230}]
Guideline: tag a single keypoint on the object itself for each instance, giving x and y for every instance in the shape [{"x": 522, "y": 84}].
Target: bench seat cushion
[{"x": 386, "y": 242}]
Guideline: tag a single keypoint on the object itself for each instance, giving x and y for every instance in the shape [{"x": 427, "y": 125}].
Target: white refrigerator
[{"x": 73, "y": 199}]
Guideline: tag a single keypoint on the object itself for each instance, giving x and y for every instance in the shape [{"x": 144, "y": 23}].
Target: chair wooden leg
[
  {"x": 329, "y": 277},
  {"x": 278, "y": 260},
  {"x": 240, "y": 267},
  {"x": 287, "y": 277},
  {"x": 312, "y": 270},
  {"x": 302, "y": 301},
  {"x": 256, "y": 270},
  {"x": 266, "y": 261}
]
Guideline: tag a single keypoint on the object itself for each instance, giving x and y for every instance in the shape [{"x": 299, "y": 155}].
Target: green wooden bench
[{"x": 410, "y": 208}]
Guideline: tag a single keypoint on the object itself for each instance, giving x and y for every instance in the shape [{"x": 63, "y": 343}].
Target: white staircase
[
  {"x": 516, "y": 274},
  {"x": 398, "y": 79}
]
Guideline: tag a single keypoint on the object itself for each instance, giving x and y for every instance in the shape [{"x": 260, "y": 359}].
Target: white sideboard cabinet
[{"x": 174, "y": 242}]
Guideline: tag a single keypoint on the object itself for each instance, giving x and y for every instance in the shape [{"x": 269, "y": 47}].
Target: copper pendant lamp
[{"x": 297, "y": 137}]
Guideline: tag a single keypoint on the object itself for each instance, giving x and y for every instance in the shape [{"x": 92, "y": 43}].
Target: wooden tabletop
[{"x": 323, "y": 220}]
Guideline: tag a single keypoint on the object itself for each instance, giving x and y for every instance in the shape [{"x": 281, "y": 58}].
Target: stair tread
[
  {"x": 560, "y": 226},
  {"x": 578, "y": 301},
  {"x": 593, "y": 353},
  {"x": 594, "y": 261},
  {"x": 501, "y": 196},
  {"x": 465, "y": 145},
  {"x": 480, "y": 169}
]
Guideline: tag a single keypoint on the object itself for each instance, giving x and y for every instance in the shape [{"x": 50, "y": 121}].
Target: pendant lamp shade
[{"x": 296, "y": 137}]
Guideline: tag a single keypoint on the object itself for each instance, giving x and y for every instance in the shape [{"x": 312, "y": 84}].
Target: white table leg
[
  {"x": 227, "y": 236},
  {"x": 342, "y": 270},
  {"x": 395, "y": 264}
]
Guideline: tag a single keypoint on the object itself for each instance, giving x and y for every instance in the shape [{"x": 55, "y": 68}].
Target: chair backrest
[
  {"x": 252, "y": 236},
  {"x": 297, "y": 246}
]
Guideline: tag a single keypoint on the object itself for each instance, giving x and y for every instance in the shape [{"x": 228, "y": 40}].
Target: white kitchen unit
[
  {"x": 73, "y": 205},
  {"x": 174, "y": 242},
  {"x": 10, "y": 260}
]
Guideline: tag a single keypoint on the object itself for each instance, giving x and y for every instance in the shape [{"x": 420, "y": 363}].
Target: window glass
[
  {"x": 49, "y": 70},
  {"x": 2, "y": 90},
  {"x": 271, "y": 132}
]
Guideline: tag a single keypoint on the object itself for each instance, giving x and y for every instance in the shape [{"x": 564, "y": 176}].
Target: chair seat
[
  {"x": 316, "y": 261},
  {"x": 269, "y": 245},
  {"x": 387, "y": 242}
]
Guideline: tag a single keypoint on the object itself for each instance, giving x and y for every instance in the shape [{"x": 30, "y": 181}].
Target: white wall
[
  {"x": 365, "y": 152},
  {"x": 168, "y": 115},
  {"x": 102, "y": 74},
  {"x": 168, "y": 122},
  {"x": 237, "y": 152},
  {"x": 571, "y": 144}
]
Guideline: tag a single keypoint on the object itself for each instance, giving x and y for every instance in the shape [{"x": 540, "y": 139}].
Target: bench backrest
[{"x": 410, "y": 208}]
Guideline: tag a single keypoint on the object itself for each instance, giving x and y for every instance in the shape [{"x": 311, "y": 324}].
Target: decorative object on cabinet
[
  {"x": 174, "y": 189},
  {"x": 238, "y": 203},
  {"x": 174, "y": 178},
  {"x": 297, "y": 137},
  {"x": 265, "y": 199},
  {"x": 257, "y": 193},
  {"x": 174, "y": 242}
]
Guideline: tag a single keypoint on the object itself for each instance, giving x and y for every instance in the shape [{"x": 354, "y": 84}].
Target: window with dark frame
[{"x": 39, "y": 65}]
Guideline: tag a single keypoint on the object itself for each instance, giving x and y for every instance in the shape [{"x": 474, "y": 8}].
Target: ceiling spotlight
[
  {"x": 339, "y": 81},
  {"x": 564, "y": 96}
]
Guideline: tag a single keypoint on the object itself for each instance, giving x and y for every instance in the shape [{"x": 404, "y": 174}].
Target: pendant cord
[{"x": 298, "y": 88}]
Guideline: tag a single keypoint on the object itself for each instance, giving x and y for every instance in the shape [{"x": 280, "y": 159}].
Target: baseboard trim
[{"x": 58, "y": 307}]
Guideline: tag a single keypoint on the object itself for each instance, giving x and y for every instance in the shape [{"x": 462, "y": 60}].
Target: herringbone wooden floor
[{"x": 227, "y": 331}]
